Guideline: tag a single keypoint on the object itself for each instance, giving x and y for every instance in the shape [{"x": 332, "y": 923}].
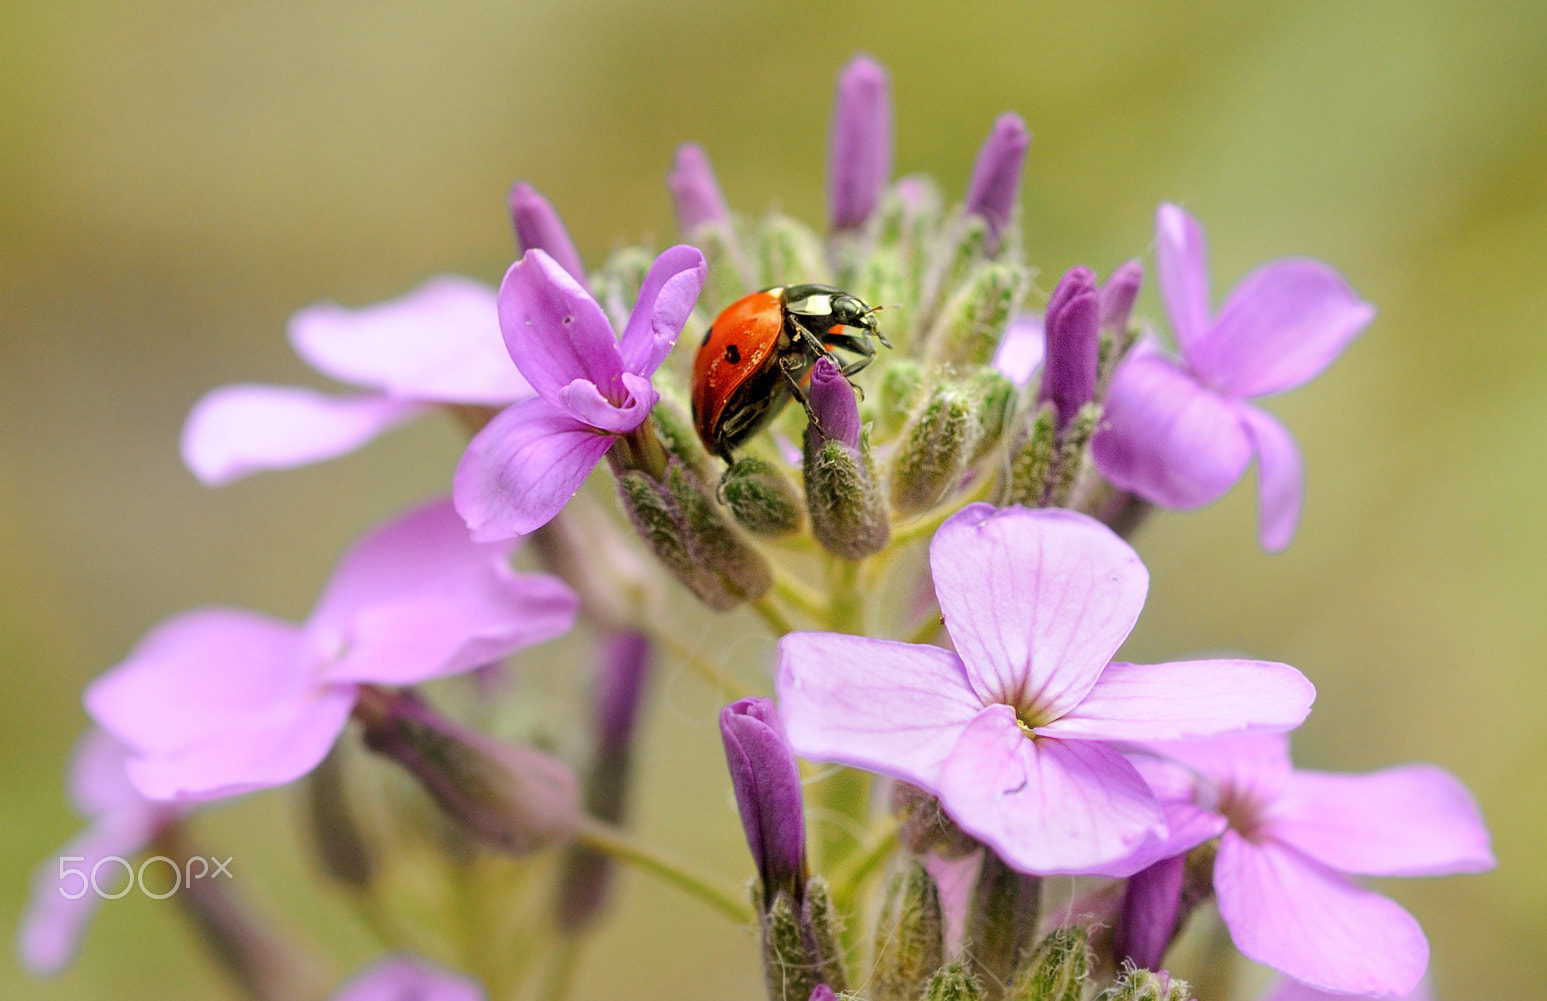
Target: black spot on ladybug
[
  {"x": 732, "y": 354},
  {"x": 707, "y": 334}
]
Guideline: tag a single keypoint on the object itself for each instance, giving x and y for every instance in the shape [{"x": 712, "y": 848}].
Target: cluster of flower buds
[{"x": 977, "y": 698}]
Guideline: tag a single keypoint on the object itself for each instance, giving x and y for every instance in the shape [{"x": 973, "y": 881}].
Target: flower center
[
  {"x": 1029, "y": 717},
  {"x": 1242, "y": 811}
]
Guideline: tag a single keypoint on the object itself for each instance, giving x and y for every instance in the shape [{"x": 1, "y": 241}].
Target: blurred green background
[{"x": 177, "y": 178}]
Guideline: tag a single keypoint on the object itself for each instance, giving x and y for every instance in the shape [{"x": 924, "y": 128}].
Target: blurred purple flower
[
  {"x": 1012, "y": 732},
  {"x": 538, "y": 227},
  {"x": 1022, "y": 349},
  {"x": 1292, "y": 990},
  {"x": 120, "y": 822},
  {"x": 591, "y": 386},
  {"x": 439, "y": 344},
  {"x": 408, "y": 978},
  {"x": 766, "y": 779},
  {"x": 995, "y": 189},
  {"x": 1178, "y": 433},
  {"x": 859, "y": 146},
  {"x": 1292, "y": 836},
  {"x": 694, "y": 191},
  {"x": 412, "y": 601}
]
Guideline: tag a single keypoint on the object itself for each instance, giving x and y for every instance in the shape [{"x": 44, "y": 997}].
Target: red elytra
[{"x": 760, "y": 350}]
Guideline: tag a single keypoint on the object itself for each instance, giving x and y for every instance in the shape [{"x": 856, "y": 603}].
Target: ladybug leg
[
  {"x": 788, "y": 366},
  {"x": 857, "y": 344}
]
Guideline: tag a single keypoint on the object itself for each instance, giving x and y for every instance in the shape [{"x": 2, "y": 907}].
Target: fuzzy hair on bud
[
  {"x": 909, "y": 943},
  {"x": 762, "y": 499},
  {"x": 1056, "y": 970}
]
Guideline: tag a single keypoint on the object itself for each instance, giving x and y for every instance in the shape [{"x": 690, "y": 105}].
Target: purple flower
[
  {"x": 766, "y": 780},
  {"x": 1292, "y": 836},
  {"x": 538, "y": 227},
  {"x": 219, "y": 701},
  {"x": 1291, "y": 990},
  {"x": 859, "y": 146},
  {"x": 408, "y": 978},
  {"x": 437, "y": 344},
  {"x": 995, "y": 189},
  {"x": 591, "y": 387},
  {"x": 1179, "y": 432},
  {"x": 1012, "y": 731},
  {"x": 120, "y": 822},
  {"x": 1073, "y": 340},
  {"x": 834, "y": 410},
  {"x": 694, "y": 191},
  {"x": 1022, "y": 348}
]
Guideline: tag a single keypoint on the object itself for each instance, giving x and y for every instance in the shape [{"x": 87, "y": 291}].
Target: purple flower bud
[
  {"x": 859, "y": 148},
  {"x": 1117, "y": 295},
  {"x": 996, "y": 178},
  {"x": 694, "y": 191},
  {"x": 1151, "y": 906},
  {"x": 823, "y": 993},
  {"x": 620, "y": 684},
  {"x": 538, "y": 227},
  {"x": 766, "y": 779},
  {"x": 1073, "y": 343},
  {"x": 834, "y": 411}
]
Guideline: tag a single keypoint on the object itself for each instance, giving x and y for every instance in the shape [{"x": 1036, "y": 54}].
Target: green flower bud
[
  {"x": 881, "y": 279},
  {"x": 935, "y": 449},
  {"x": 908, "y": 221},
  {"x": 761, "y": 498},
  {"x": 658, "y": 521},
  {"x": 909, "y": 944},
  {"x": 901, "y": 383},
  {"x": 996, "y": 395},
  {"x": 1146, "y": 985},
  {"x": 343, "y": 852},
  {"x": 717, "y": 544},
  {"x": 789, "y": 971},
  {"x": 924, "y": 826},
  {"x": 959, "y": 250},
  {"x": 616, "y": 286},
  {"x": 971, "y": 322},
  {"x": 1057, "y": 970},
  {"x": 790, "y": 252},
  {"x": 822, "y": 925},
  {"x": 673, "y": 422},
  {"x": 1002, "y": 917},
  {"x": 953, "y": 983},
  {"x": 1032, "y": 466},
  {"x": 1072, "y": 454},
  {"x": 848, "y": 516}
]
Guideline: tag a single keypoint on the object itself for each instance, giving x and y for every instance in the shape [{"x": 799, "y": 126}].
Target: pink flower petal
[
  {"x": 54, "y": 925},
  {"x": 889, "y": 707},
  {"x": 1280, "y": 328},
  {"x": 1021, "y": 349},
  {"x": 440, "y": 343},
  {"x": 666, "y": 299},
  {"x": 1187, "y": 827},
  {"x": 1187, "y": 699},
  {"x": 1288, "y": 911},
  {"x": 520, "y": 470},
  {"x": 1413, "y": 820},
  {"x": 196, "y": 675},
  {"x": 262, "y": 749},
  {"x": 1036, "y": 602},
  {"x": 1280, "y": 478},
  {"x": 955, "y": 879},
  {"x": 1046, "y": 806},
  {"x": 554, "y": 330},
  {"x": 584, "y": 402},
  {"x": 1182, "y": 262},
  {"x": 1253, "y": 767},
  {"x": 234, "y": 431},
  {"x": 1168, "y": 439},
  {"x": 98, "y": 785},
  {"x": 1292, "y": 990},
  {"x": 407, "y": 978}
]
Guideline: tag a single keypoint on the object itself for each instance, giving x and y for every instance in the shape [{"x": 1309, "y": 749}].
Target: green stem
[
  {"x": 773, "y": 615},
  {"x": 707, "y": 670},
  {"x": 624, "y": 847},
  {"x": 797, "y": 593},
  {"x": 564, "y": 962},
  {"x": 846, "y": 606},
  {"x": 859, "y": 868}
]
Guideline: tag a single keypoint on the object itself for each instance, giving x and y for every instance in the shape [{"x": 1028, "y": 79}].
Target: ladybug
[{"x": 761, "y": 348}]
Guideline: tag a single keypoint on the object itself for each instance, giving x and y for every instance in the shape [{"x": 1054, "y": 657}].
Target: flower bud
[
  {"x": 1072, "y": 456},
  {"x": 789, "y": 973},
  {"x": 586, "y": 875},
  {"x": 953, "y": 983},
  {"x": 673, "y": 420},
  {"x": 694, "y": 191},
  {"x": 935, "y": 449},
  {"x": 658, "y": 521},
  {"x": 1002, "y": 918},
  {"x": 1118, "y": 294},
  {"x": 718, "y": 545},
  {"x": 909, "y": 220},
  {"x": 995, "y": 190},
  {"x": 790, "y": 252},
  {"x": 1033, "y": 465},
  {"x": 766, "y": 780},
  {"x": 860, "y": 143},
  {"x": 848, "y": 516},
  {"x": 1145, "y": 985},
  {"x": 910, "y": 942},
  {"x": 901, "y": 384},
  {"x": 1149, "y": 915},
  {"x": 996, "y": 395},
  {"x": 509, "y": 796},
  {"x": 822, "y": 924},
  {"x": 925, "y": 827},
  {"x": 538, "y": 227},
  {"x": 1057, "y": 970},
  {"x": 822, "y": 992},
  {"x": 343, "y": 852},
  {"x": 1073, "y": 334},
  {"x": 972, "y": 322},
  {"x": 761, "y": 498}
]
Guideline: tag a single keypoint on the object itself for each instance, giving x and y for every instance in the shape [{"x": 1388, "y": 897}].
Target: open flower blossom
[
  {"x": 438, "y": 344},
  {"x": 1291, "y": 837},
  {"x": 219, "y": 701},
  {"x": 408, "y": 978},
  {"x": 1012, "y": 730},
  {"x": 1292, "y": 990},
  {"x": 591, "y": 385},
  {"x": 1179, "y": 432},
  {"x": 120, "y": 822}
]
